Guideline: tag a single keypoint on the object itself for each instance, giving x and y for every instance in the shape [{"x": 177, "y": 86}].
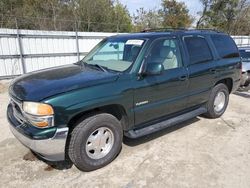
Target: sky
[{"x": 193, "y": 5}]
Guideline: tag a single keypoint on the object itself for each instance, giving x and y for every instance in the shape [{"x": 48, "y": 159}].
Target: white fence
[
  {"x": 242, "y": 41},
  {"x": 24, "y": 51}
]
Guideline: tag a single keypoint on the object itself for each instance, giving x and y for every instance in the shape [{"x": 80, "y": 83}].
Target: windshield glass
[
  {"x": 245, "y": 54},
  {"x": 116, "y": 54}
]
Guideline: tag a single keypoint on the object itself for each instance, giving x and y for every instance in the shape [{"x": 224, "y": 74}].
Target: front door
[{"x": 159, "y": 95}]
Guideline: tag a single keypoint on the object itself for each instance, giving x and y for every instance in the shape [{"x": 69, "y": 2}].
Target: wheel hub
[
  {"x": 219, "y": 101},
  {"x": 99, "y": 143}
]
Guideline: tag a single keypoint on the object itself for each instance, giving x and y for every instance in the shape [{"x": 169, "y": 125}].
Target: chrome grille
[{"x": 17, "y": 110}]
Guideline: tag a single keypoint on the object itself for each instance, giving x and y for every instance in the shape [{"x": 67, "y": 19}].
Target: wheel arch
[
  {"x": 228, "y": 82},
  {"x": 116, "y": 110}
]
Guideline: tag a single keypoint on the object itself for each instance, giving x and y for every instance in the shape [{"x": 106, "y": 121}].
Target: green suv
[{"x": 128, "y": 85}]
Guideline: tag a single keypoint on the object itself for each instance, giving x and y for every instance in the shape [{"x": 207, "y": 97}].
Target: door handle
[{"x": 183, "y": 78}]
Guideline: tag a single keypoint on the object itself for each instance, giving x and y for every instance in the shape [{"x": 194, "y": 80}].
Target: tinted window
[
  {"x": 198, "y": 49},
  {"x": 225, "y": 46},
  {"x": 166, "y": 52}
]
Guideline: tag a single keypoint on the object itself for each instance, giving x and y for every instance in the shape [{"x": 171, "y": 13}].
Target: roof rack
[
  {"x": 165, "y": 29},
  {"x": 169, "y": 29}
]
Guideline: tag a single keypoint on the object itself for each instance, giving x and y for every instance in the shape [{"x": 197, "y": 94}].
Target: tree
[
  {"x": 10, "y": 7},
  {"x": 146, "y": 19},
  {"x": 121, "y": 18},
  {"x": 35, "y": 14},
  {"x": 86, "y": 15},
  {"x": 222, "y": 14},
  {"x": 175, "y": 14},
  {"x": 203, "y": 14},
  {"x": 230, "y": 16},
  {"x": 242, "y": 21},
  {"x": 94, "y": 15}
]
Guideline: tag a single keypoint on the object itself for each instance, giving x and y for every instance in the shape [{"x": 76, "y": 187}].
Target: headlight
[
  {"x": 39, "y": 114},
  {"x": 37, "y": 109}
]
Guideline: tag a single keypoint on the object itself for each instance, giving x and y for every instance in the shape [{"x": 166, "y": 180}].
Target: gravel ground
[{"x": 197, "y": 153}]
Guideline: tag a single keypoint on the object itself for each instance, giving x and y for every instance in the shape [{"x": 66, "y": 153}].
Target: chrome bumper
[{"x": 52, "y": 149}]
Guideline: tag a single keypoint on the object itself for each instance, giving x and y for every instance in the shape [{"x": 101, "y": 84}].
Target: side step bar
[{"x": 164, "y": 124}]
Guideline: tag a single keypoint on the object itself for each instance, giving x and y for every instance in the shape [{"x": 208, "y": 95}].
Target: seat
[
  {"x": 165, "y": 56},
  {"x": 169, "y": 58}
]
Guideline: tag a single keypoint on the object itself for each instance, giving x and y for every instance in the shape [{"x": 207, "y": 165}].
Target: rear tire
[
  {"x": 218, "y": 101},
  {"x": 95, "y": 142}
]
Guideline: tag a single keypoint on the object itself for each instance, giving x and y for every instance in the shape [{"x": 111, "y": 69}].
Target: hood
[{"x": 39, "y": 85}]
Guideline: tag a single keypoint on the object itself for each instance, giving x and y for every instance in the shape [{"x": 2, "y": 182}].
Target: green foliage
[
  {"x": 175, "y": 14},
  {"x": 10, "y": 7},
  {"x": 93, "y": 14},
  {"x": 230, "y": 16},
  {"x": 84, "y": 15},
  {"x": 121, "y": 18},
  {"x": 146, "y": 19}
]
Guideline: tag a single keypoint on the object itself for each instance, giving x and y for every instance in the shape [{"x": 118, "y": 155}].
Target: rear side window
[
  {"x": 198, "y": 49},
  {"x": 225, "y": 46}
]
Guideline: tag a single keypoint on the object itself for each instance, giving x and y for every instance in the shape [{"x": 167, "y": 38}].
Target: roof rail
[
  {"x": 164, "y": 29},
  {"x": 169, "y": 29}
]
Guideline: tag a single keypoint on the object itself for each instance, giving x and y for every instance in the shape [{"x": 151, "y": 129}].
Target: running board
[{"x": 164, "y": 124}]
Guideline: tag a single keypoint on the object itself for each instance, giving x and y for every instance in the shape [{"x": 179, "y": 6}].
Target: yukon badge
[{"x": 141, "y": 103}]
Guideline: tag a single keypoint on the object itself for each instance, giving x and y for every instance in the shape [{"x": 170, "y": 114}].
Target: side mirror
[{"x": 154, "y": 69}]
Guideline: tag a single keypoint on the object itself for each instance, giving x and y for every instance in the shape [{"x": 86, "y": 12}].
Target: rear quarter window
[{"x": 225, "y": 46}]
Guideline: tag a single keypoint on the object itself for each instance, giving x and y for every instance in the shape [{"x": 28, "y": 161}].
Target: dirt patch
[
  {"x": 49, "y": 168},
  {"x": 29, "y": 156}
]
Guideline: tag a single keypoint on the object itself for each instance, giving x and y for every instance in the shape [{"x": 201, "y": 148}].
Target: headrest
[{"x": 166, "y": 52}]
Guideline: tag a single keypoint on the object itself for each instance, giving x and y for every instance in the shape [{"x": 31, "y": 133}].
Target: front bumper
[{"x": 51, "y": 149}]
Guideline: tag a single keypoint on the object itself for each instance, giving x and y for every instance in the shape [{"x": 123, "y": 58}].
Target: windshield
[
  {"x": 116, "y": 54},
  {"x": 245, "y": 54}
]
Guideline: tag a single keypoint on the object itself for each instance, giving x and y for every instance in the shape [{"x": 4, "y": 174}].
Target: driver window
[{"x": 166, "y": 52}]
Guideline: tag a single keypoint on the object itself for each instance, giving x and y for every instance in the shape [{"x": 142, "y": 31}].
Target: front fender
[{"x": 68, "y": 105}]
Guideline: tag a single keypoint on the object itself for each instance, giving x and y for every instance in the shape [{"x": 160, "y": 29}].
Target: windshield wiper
[{"x": 102, "y": 68}]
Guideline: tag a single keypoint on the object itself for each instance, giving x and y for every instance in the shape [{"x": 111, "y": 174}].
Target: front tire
[
  {"x": 95, "y": 142},
  {"x": 218, "y": 101}
]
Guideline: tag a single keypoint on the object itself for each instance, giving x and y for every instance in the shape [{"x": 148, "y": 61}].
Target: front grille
[{"x": 17, "y": 112}]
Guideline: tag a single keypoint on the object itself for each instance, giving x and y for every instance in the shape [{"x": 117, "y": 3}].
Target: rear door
[
  {"x": 160, "y": 95},
  {"x": 201, "y": 68}
]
